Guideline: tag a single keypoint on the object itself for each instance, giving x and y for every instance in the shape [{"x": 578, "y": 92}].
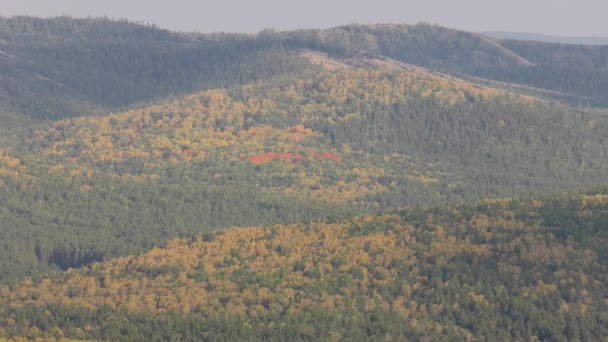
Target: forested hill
[
  {"x": 339, "y": 142},
  {"x": 514, "y": 270},
  {"x": 53, "y": 68},
  {"x": 576, "y": 73},
  {"x": 350, "y": 153}
]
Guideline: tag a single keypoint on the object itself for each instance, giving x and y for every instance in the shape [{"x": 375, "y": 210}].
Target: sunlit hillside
[
  {"x": 506, "y": 269},
  {"x": 342, "y": 141},
  {"x": 364, "y": 182}
]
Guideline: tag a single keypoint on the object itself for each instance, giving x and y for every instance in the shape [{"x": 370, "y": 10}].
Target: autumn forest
[{"x": 365, "y": 182}]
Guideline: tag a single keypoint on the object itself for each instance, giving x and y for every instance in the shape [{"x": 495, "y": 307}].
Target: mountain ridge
[{"x": 150, "y": 63}]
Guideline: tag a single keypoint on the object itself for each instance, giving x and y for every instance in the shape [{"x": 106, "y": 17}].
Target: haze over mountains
[
  {"x": 548, "y": 38},
  {"x": 119, "y": 138}
]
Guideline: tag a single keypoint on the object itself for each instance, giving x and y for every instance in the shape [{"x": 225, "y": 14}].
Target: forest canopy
[{"x": 383, "y": 182}]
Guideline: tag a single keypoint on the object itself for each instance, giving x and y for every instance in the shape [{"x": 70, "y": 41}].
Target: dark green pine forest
[{"x": 364, "y": 182}]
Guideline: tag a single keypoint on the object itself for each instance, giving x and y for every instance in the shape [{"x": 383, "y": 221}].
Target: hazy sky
[{"x": 557, "y": 17}]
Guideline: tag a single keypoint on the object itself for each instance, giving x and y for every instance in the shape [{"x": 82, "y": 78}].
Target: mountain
[
  {"x": 342, "y": 135},
  {"x": 53, "y": 68},
  {"x": 577, "y": 74},
  {"x": 548, "y": 38},
  {"x": 123, "y": 145},
  {"x": 65, "y": 67},
  {"x": 505, "y": 269},
  {"x": 341, "y": 141}
]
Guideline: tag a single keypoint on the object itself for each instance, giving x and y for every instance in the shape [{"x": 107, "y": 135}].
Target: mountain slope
[
  {"x": 65, "y": 67},
  {"x": 282, "y": 152},
  {"x": 53, "y": 68},
  {"x": 424, "y": 45},
  {"x": 505, "y": 269},
  {"x": 327, "y": 144},
  {"x": 354, "y": 114},
  {"x": 583, "y": 77}
]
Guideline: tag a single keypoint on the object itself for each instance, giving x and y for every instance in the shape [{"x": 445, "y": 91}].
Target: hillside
[
  {"x": 66, "y": 67},
  {"x": 349, "y": 157},
  {"x": 505, "y": 269},
  {"x": 578, "y": 72},
  {"x": 340, "y": 142}
]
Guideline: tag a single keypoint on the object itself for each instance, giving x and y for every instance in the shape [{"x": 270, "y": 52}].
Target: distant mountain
[
  {"x": 574, "y": 73},
  {"x": 65, "y": 67},
  {"x": 548, "y": 38}
]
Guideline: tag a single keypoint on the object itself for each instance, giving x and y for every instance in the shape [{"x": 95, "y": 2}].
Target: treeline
[{"x": 506, "y": 269}]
